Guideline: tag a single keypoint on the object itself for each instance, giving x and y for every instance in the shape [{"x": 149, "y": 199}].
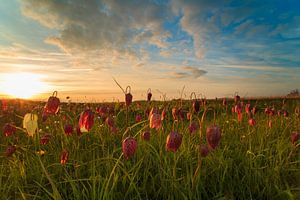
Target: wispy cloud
[{"x": 188, "y": 72}]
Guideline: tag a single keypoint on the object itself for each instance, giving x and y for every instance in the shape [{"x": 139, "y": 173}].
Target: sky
[{"x": 210, "y": 47}]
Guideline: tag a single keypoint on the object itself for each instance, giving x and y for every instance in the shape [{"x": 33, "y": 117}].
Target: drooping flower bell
[
  {"x": 64, "y": 157},
  {"x": 295, "y": 137},
  {"x": 238, "y": 110},
  {"x": 248, "y": 108},
  {"x": 86, "y": 120},
  {"x": 45, "y": 115},
  {"x": 193, "y": 127},
  {"x": 129, "y": 146},
  {"x": 251, "y": 122},
  {"x": 237, "y": 98},
  {"x": 173, "y": 142},
  {"x": 174, "y": 113},
  {"x": 204, "y": 101},
  {"x": 102, "y": 110},
  {"x": 270, "y": 123},
  {"x": 153, "y": 110},
  {"x": 30, "y": 123},
  {"x": 181, "y": 113},
  {"x": 45, "y": 139},
  {"x": 213, "y": 136},
  {"x": 10, "y": 150},
  {"x": 52, "y": 106},
  {"x": 109, "y": 121},
  {"x": 233, "y": 109},
  {"x": 138, "y": 118},
  {"x": 4, "y": 105},
  {"x": 128, "y": 96},
  {"x": 204, "y": 150},
  {"x": 163, "y": 114},
  {"x": 146, "y": 135},
  {"x": 270, "y": 111},
  {"x": 267, "y": 110},
  {"x": 9, "y": 129},
  {"x": 279, "y": 113},
  {"x": 155, "y": 121},
  {"x": 68, "y": 128},
  {"x": 297, "y": 111},
  {"x": 196, "y": 103},
  {"x": 189, "y": 116},
  {"x": 196, "y": 106},
  {"x": 254, "y": 110},
  {"x": 224, "y": 102},
  {"x": 149, "y": 95}
]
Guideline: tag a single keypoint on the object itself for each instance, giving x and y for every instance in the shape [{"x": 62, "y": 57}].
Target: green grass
[{"x": 250, "y": 162}]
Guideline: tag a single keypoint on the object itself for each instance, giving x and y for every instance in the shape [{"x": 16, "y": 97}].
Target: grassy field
[{"x": 250, "y": 162}]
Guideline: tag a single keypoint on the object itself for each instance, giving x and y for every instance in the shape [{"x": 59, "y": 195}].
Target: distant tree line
[{"x": 294, "y": 93}]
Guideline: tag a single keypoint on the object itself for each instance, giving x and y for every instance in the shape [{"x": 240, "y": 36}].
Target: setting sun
[{"x": 22, "y": 85}]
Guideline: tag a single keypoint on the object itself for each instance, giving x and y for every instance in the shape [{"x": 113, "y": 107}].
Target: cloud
[
  {"x": 188, "y": 72},
  {"x": 110, "y": 26},
  {"x": 195, "y": 72},
  {"x": 139, "y": 65},
  {"x": 289, "y": 30},
  {"x": 166, "y": 53},
  {"x": 195, "y": 22}
]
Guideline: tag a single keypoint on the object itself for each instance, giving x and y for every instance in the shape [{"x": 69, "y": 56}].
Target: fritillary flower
[{"x": 129, "y": 147}]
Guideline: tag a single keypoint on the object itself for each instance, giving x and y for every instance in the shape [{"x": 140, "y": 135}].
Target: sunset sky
[{"x": 211, "y": 47}]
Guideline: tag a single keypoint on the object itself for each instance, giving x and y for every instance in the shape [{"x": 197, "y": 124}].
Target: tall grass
[{"x": 250, "y": 163}]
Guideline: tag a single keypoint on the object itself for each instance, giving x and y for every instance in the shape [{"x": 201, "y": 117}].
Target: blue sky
[{"x": 211, "y": 47}]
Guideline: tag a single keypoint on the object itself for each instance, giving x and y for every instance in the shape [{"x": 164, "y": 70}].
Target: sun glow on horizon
[{"x": 22, "y": 85}]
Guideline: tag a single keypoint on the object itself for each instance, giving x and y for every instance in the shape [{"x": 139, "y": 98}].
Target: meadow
[{"x": 178, "y": 149}]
